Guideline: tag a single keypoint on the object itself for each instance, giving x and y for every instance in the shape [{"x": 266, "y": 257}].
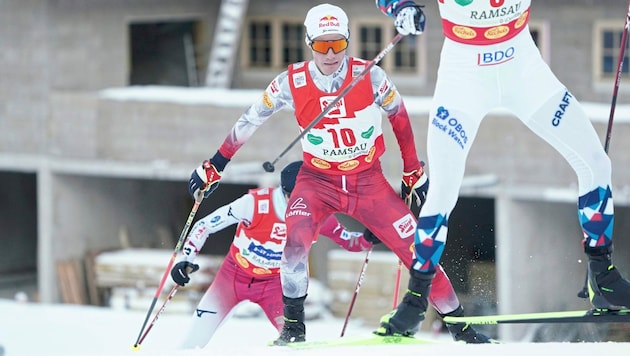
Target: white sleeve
[
  {"x": 242, "y": 209},
  {"x": 385, "y": 92},
  {"x": 276, "y": 96}
]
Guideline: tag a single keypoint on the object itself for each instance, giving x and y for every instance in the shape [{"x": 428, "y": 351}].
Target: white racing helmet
[{"x": 325, "y": 19}]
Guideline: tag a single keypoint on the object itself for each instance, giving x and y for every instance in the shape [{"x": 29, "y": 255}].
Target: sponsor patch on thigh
[{"x": 405, "y": 226}]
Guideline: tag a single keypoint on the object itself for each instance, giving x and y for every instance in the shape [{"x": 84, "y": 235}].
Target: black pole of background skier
[
  {"x": 622, "y": 53},
  {"x": 269, "y": 166}
]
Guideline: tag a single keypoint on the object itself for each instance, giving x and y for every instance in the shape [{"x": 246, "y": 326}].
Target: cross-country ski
[
  {"x": 576, "y": 316},
  {"x": 369, "y": 340}
]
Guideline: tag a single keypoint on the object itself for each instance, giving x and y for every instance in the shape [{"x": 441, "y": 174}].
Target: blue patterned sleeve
[{"x": 392, "y": 7}]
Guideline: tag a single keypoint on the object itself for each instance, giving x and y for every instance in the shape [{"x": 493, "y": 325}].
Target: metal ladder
[{"x": 225, "y": 43}]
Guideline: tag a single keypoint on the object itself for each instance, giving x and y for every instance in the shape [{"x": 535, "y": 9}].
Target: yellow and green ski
[
  {"x": 371, "y": 340},
  {"x": 576, "y": 316}
]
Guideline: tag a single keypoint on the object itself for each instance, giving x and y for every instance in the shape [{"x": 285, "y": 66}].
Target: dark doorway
[
  {"x": 164, "y": 53},
  {"x": 18, "y": 232}
]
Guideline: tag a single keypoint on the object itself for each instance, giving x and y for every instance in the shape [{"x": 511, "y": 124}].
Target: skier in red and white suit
[
  {"x": 342, "y": 171},
  {"x": 251, "y": 269},
  {"x": 489, "y": 60}
]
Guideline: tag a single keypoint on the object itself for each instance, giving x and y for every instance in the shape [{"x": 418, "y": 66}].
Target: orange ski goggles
[{"x": 323, "y": 46}]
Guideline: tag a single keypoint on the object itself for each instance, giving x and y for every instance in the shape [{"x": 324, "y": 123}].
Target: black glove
[
  {"x": 370, "y": 237},
  {"x": 415, "y": 183},
  {"x": 180, "y": 272},
  {"x": 205, "y": 179}
]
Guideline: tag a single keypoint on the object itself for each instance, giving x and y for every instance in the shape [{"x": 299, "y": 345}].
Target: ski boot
[
  {"x": 294, "y": 329},
  {"x": 465, "y": 332},
  {"x": 607, "y": 289},
  {"x": 404, "y": 320}
]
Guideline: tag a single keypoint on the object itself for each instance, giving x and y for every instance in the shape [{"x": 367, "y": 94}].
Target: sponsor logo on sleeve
[
  {"x": 273, "y": 89},
  {"x": 267, "y": 101},
  {"x": 389, "y": 98},
  {"x": 385, "y": 85}
]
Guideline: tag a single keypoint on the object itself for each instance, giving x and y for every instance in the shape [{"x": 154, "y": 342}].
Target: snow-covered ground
[{"x": 32, "y": 329}]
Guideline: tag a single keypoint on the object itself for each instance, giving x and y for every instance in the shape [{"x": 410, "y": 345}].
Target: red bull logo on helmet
[
  {"x": 329, "y": 21},
  {"x": 325, "y": 19}
]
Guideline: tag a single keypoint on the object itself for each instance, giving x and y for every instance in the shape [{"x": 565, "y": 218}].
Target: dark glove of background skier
[
  {"x": 370, "y": 237},
  {"x": 180, "y": 272}
]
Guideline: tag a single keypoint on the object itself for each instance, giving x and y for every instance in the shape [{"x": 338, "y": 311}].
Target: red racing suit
[
  {"x": 342, "y": 154},
  {"x": 251, "y": 269}
]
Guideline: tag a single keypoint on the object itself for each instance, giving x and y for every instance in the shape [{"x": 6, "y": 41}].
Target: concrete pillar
[{"x": 46, "y": 281}]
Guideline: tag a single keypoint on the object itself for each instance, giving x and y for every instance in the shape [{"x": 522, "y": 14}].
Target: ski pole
[
  {"x": 622, "y": 54},
  {"x": 157, "y": 315},
  {"x": 180, "y": 242},
  {"x": 356, "y": 290},
  {"x": 269, "y": 166},
  {"x": 408, "y": 201},
  {"x": 397, "y": 284}
]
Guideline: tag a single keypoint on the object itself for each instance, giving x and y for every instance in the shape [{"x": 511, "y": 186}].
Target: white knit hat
[{"x": 325, "y": 19}]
